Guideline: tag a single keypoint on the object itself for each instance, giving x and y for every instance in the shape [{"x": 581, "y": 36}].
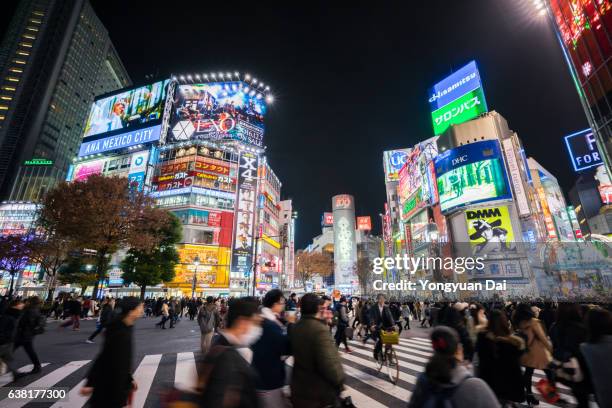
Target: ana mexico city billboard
[{"x": 125, "y": 118}]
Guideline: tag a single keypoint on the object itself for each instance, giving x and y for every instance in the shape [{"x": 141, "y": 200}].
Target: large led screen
[
  {"x": 471, "y": 174},
  {"x": 127, "y": 110},
  {"x": 217, "y": 111}
]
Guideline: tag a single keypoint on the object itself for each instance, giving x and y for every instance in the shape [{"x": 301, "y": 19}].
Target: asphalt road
[{"x": 58, "y": 345}]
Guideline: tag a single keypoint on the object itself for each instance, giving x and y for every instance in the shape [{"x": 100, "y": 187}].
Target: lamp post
[{"x": 196, "y": 262}]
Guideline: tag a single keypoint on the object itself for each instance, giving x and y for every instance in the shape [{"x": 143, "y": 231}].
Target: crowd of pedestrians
[{"x": 484, "y": 355}]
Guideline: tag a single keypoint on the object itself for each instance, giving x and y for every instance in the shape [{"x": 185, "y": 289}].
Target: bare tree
[
  {"x": 363, "y": 270},
  {"x": 310, "y": 264}
]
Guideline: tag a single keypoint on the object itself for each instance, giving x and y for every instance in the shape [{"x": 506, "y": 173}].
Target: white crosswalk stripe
[
  {"x": 365, "y": 385},
  {"x": 8, "y": 377}
]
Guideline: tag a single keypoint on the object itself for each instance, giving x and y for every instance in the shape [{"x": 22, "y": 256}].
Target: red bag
[{"x": 548, "y": 391}]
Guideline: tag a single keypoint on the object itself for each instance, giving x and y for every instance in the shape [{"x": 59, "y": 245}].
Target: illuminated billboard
[
  {"x": 582, "y": 149},
  {"x": 327, "y": 220},
  {"x": 471, "y": 174},
  {"x": 242, "y": 253},
  {"x": 212, "y": 270},
  {"x": 83, "y": 170},
  {"x": 127, "y": 110},
  {"x": 217, "y": 111},
  {"x": 393, "y": 162},
  {"x": 466, "y": 107},
  {"x": 490, "y": 230},
  {"x": 364, "y": 223},
  {"x": 460, "y": 82}
]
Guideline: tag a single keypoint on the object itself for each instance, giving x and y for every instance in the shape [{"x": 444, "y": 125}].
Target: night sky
[{"x": 351, "y": 82}]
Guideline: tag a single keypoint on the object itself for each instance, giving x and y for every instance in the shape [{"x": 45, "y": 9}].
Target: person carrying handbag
[{"x": 538, "y": 355}]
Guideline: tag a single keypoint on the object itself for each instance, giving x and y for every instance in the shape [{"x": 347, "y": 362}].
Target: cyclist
[{"x": 380, "y": 319}]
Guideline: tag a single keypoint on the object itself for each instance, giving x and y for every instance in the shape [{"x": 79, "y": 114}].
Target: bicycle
[{"x": 387, "y": 357}]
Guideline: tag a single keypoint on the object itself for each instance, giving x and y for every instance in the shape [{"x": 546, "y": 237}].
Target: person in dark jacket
[
  {"x": 446, "y": 381},
  {"x": 452, "y": 317},
  {"x": 499, "y": 359},
  {"x": 291, "y": 302},
  {"x": 105, "y": 317},
  {"x": 269, "y": 352},
  {"x": 380, "y": 319},
  {"x": 227, "y": 378},
  {"x": 9, "y": 321},
  {"x": 72, "y": 308},
  {"x": 597, "y": 352},
  {"x": 343, "y": 323},
  {"x": 566, "y": 334},
  {"x": 28, "y": 327},
  {"x": 109, "y": 381},
  {"x": 318, "y": 376}
]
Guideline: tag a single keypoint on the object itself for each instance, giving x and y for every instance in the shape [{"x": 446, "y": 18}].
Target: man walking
[{"x": 208, "y": 320}]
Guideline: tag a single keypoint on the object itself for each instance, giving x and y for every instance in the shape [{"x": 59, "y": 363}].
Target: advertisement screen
[
  {"x": 83, "y": 170},
  {"x": 471, "y": 174},
  {"x": 460, "y": 110},
  {"x": 127, "y": 110},
  {"x": 242, "y": 253},
  {"x": 582, "y": 149},
  {"x": 490, "y": 230},
  {"x": 216, "y": 111},
  {"x": 460, "y": 82},
  {"x": 394, "y": 160},
  {"x": 212, "y": 270},
  {"x": 327, "y": 220}
]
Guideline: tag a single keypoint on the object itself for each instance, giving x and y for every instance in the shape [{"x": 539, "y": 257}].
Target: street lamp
[{"x": 196, "y": 262}]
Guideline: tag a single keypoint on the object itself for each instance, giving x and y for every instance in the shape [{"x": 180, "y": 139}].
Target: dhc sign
[
  {"x": 121, "y": 140},
  {"x": 583, "y": 151}
]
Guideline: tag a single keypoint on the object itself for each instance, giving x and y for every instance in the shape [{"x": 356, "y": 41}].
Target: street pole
[{"x": 196, "y": 262}]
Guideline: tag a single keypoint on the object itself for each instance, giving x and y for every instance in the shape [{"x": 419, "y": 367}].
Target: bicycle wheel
[{"x": 392, "y": 366}]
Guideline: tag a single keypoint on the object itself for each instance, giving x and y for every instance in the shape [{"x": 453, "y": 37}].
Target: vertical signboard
[
  {"x": 515, "y": 178},
  {"x": 364, "y": 223},
  {"x": 345, "y": 244},
  {"x": 393, "y": 162},
  {"x": 138, "y": 169},
  {"x": 242, "y": 248}
]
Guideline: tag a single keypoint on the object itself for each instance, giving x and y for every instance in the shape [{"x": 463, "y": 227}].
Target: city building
[
  {"x": 551, "y": 206},
  {"x": 347, "y": 240},
  {"x": 54, "y": 59},
  {"x": 584, "y": 31},
  {"x": 197, "y": 149}
]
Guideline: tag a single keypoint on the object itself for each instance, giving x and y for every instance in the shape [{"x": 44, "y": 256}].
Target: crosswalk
[{"x": 156, "y": 372}]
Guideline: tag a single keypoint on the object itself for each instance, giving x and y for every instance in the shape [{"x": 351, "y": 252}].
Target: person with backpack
[
  {"x": 270, "y": 351},
  {"x": 226, "y": 376},
  {"x": 31, "y": 323},
  {"x": 446, "y": 381},
  {"x": 9, "y": 321},
  {"x": 103, "y": 319},
  {"x": 209, "y": 321}
]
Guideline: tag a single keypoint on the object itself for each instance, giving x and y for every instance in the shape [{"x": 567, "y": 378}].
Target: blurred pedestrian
[
  {"x": 446, "y": 381},
  {"x": 270, "y": 351},
  {"x": 227, "y": 379},
  {"x": 597, "y": 352},
  {"x": 9, "y": 321},
  {"x": 318, "y": 376},
  {"x": 31, "y": 324},
  {"x": 209, "y": 321},
  {"x": 343, "y": 324},
  {"x": 104, "y": 318},
  {"x": 109, "y": 381}
]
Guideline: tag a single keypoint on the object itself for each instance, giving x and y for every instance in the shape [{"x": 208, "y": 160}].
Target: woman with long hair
[
  {"x": 499, "y": 355},
  {"x": 446, "y": 380},
  {"x": 539, "y": 348}
]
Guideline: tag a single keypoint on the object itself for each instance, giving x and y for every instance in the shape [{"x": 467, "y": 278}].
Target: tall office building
[
  {"x": 55, "y": 58},
  {"x": 584, "y": 29}
]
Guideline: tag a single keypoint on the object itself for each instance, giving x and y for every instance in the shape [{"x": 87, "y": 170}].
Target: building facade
[
  {"x": 584, "y": 30},
  {"x": 55, "y": 58}
]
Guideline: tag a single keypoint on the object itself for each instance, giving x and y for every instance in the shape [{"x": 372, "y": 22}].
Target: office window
[
  {"x": 17, "y": 61},
  {"x": 29, "y": 36},
  {"x": 8, "y": 88},
  {"x": 24, "y": 53},
  {"x": 6, "y": 98},
  {"x": 17, "y": 70},
  {"x": 28, "y": 45}
]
